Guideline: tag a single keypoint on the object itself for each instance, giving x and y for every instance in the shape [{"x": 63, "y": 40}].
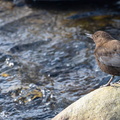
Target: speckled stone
[{"x": 101, "y": 104}]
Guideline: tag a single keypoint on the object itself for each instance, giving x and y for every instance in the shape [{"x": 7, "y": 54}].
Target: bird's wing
[
  {"x": 110, "y": 54},
  {"x": 113, "y": 60}
]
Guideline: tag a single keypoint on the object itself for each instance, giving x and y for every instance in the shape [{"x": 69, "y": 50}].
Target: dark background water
[{"x": 46, "y": 60}]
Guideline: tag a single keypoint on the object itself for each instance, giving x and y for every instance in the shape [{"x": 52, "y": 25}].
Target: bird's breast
[{"x": 108, "y": 69}]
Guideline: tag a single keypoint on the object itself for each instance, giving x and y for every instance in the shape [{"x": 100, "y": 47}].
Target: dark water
[{"x": 46, "y": 60}]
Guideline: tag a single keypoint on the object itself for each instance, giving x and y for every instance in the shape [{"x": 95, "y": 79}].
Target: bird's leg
[{"x": 108, "y": 84}]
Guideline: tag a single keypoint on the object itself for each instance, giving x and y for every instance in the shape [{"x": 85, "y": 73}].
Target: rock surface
[{"x": 101, "y": 104}]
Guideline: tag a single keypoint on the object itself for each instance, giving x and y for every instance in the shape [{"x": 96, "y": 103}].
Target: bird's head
[{"x": 100, "y": 37}]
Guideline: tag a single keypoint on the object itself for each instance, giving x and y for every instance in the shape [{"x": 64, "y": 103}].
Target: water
[{"x": 46, "y": 60}]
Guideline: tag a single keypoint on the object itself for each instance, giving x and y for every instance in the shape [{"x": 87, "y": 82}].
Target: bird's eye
[{"x": 96, "y": 36}]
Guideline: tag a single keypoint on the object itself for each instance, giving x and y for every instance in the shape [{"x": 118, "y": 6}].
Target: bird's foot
[
  {"x": 108, "y": 84},
  {"x": 118, "y": 82}
]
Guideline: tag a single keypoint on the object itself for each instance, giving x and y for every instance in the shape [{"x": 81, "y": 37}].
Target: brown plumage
[{"x": 107, "y": 53}]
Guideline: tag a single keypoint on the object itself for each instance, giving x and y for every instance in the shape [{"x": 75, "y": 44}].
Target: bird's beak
[{"x": 89, "y": 35}]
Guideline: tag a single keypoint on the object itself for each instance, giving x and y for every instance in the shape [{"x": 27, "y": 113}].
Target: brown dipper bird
[{"x": 107, "y": 53}]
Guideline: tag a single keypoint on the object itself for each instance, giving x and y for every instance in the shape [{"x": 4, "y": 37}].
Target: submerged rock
[{"x": 101, "y": 104}]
